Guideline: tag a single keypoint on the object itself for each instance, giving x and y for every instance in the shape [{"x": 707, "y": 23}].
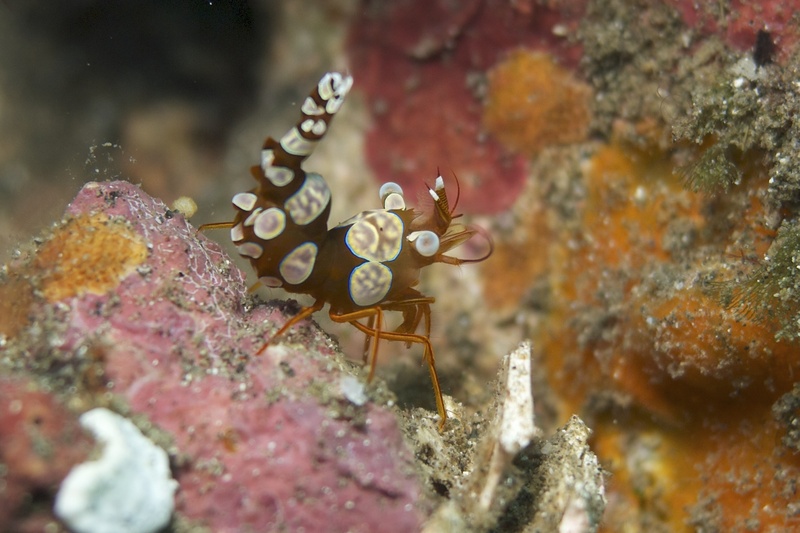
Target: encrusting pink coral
[{"x": 40, "y": 440}]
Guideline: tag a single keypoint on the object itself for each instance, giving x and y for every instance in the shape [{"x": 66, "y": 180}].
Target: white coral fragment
[
  {"x": 129, "y": 489},
  {"x": 516, "y": 428}
]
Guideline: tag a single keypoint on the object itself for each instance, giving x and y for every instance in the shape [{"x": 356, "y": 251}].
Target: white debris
[
  {"x": 745, "y": 69},
  {"x": 129, "y": 489},
  {"x": 353, "y": 389}
]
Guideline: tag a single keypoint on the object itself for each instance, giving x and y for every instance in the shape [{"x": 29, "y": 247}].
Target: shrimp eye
[
  {"x": 388, "y": 188},
  {"x": 392, "y": 196},
  {"x": 425, "y": 242}
]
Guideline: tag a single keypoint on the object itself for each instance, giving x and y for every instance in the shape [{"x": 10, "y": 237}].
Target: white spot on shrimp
[
  {"x": 378, "y": 236},
  {"x": 270, "y": 223},
  {"x": 250, "y": 219},
  {"x": 310, "y": 200},
  {"x": 250, "y": 249},
  {"x": 369, "y": 283},
  {"x": 298, "y": 264},
  {"x": 279, "y": 176},
  {"x": 310, "y": 107},
  {"x": 271, "y": 281},
  {"x": 294, "y": 143},
  {"x": 237, "y": 233},
  {"x": 245, "y": 201}
]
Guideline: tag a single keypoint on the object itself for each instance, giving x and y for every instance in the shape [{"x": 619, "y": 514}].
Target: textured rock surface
[{"x": 257, "y": 443}]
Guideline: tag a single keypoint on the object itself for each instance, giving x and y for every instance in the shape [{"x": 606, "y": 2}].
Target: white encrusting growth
[
  {"x": 129, "y": 489},
  {"x": 353, "y": 389},
  {"x": 184, "y": 205}
]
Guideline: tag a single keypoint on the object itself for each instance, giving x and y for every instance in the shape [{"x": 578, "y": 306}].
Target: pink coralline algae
[
  {"x": 258, "y": 443},
  {"x": 40, "y": 440},
  {"x": 422, "y": 66}
]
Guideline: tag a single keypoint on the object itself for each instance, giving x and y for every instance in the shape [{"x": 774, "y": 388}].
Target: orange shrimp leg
[
  {"x": 215, "y": 225},
  {"x": 304, "y": 313},
  {"x": 402, "y": 336}
]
